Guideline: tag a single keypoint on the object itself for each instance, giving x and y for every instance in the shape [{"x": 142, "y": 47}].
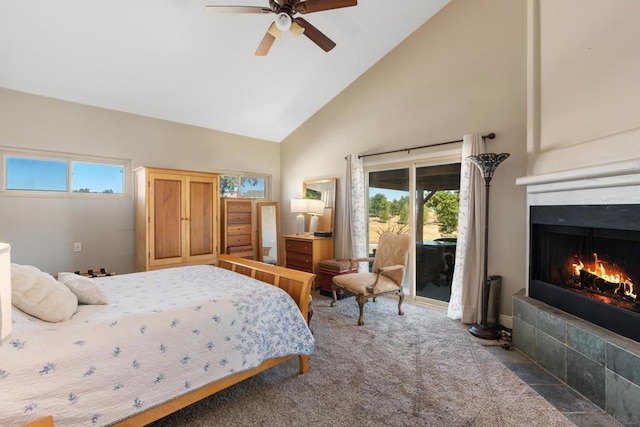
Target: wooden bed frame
[{"x": 295, "y": 283}]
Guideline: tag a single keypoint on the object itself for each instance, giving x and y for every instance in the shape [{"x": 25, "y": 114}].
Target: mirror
[
  {"x": 268, "y": 232},
  {"x": 325, "y": 190}
]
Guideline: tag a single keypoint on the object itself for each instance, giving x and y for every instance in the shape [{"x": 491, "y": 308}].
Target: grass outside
[{"x": 430, "y": 230}]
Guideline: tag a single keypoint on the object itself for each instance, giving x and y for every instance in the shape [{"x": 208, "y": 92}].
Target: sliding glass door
[
  {"x": 437, "y": 200},
  {"x": 388, "y": 206},
  {"x": 420, "y": 199}
]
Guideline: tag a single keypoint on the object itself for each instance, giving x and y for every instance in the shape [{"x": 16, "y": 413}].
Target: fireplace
[{"x": 585, "y": 260}]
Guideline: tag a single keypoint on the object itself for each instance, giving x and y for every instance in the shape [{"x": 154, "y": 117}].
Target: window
[
  {"x": 39, "y": 172},
  {"x": 241, "y": 185}
]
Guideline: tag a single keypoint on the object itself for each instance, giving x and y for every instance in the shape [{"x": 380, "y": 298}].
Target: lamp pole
[{"x": 487, "y": 164}]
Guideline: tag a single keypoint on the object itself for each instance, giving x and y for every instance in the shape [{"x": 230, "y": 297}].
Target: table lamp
[
  {"x": 299, "y": 206},
  {"x": 316, "y": 209}
]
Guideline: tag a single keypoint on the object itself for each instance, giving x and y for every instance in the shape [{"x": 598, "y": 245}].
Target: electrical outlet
[{"x": 77, "y": 246}]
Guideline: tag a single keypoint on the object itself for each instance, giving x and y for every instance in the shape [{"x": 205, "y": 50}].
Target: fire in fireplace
[
  {"x": 585, "y": 260},
  {"x": 601, "y": 280}
]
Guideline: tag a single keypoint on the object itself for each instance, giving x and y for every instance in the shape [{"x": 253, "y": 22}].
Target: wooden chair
[{"x": 386, "y": 277}]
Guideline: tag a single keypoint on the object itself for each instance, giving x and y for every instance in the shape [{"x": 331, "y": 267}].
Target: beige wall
[
  {"x": 41, "y": 230},
  {"x": 585, "y": 81},
  {"x": 462, "y": 72}
]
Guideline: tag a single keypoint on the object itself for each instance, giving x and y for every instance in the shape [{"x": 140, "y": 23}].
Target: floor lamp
[{"x": 487, "y": 164}]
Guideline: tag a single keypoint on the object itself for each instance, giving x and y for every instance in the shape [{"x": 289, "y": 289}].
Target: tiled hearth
[
  {"x": 597, "y": 363},
  {"x": 602, "y": 366}
]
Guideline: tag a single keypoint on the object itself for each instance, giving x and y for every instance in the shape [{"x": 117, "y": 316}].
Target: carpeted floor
[{"x": 420, "y": 369}]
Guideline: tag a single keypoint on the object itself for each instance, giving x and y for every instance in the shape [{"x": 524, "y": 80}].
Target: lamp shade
[
  {"x": 299, "y": 205},
  {"x": 316, "y": 207},
  {"x": 283, "y": 21},
  {"x": 296, "y": 29},
  {"x": 274, "y": 30},
  {"x": 488, "y": 162},
  {"x": 5, "y": 291}
]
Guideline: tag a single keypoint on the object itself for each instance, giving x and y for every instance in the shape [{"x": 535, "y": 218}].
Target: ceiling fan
[{"x": 285, "y": 11}]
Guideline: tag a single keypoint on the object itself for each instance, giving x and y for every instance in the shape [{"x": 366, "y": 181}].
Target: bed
[{"x": 166, "y": 339}]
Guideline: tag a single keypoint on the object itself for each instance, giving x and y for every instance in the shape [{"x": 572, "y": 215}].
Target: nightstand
[{"x": 304, "y": 252}]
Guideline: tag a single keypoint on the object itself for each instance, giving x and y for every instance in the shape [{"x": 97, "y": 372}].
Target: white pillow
[
  {"x": 40, "y": 295},
  {"x": 85, "y": 289}
]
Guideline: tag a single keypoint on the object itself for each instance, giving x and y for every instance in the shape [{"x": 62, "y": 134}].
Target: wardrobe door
[
  {"x": 201, "y": 210},
  {"x": 166, "y": 219}
]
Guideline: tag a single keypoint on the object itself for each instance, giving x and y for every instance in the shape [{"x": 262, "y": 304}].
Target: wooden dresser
[
  {"x": 304, "y": 252},
  {"x": 237, "y": 227}
]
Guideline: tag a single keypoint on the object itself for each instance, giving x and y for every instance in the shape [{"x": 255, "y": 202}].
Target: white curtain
[
  {"x": 354, "y": 241},
  {"x": 466, "y": 289}
]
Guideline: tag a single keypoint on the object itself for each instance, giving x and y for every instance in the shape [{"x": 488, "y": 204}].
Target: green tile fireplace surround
[{"x": 599, "y": 364}]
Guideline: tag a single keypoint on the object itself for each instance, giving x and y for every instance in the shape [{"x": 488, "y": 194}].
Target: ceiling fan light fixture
[
  {"x": 283, "y": 21},
  {"x": 274, "y": 30},
  {"x": 296, "y": 30}
]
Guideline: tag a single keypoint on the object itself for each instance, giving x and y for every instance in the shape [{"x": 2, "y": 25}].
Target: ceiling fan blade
[
  {"x": 316, "y": 35},
  {"x": 237, "y": 9},
  {"x": 265, "y": 44},
  {"x": 309, "y": 6}
]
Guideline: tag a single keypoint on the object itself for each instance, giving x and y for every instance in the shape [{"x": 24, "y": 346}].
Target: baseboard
[{"x": 506, "y": 321}]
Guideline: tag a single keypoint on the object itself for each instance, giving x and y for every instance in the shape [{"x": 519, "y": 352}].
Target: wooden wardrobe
[{"x": 175, "y": 218}]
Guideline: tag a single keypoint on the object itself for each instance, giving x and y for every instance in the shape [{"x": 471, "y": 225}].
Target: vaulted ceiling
[{"x": 169, "y": 59}]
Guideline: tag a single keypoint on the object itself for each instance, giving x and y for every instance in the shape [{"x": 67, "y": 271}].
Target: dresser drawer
[
  {"x": 239, "y": 229},
  {"x": 239, "y": 240},
  {"x": 239, "y": 218},
  {"x": 241, "y": 251},
  {"x": 299, "y": 261},
  {"x": 236, "y": 207},
  {"x": 299, "y": 246}
]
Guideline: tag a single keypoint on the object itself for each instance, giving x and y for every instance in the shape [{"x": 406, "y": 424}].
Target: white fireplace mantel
[{"x": 611, "y": 183}]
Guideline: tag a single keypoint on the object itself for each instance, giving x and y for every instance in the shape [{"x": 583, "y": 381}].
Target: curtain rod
[{"x": 360, "y": 156}]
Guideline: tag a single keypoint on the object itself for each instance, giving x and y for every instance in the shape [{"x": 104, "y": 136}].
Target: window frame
[
  {"x": 70, "y": 159},
  {"x": 240, "y": 175}
]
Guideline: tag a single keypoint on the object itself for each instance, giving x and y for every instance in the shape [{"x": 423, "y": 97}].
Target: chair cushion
[
  {"x": 357, "y": 283},
  {"x": 337, "y": 265}
]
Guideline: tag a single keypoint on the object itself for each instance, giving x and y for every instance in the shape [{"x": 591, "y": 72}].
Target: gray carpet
[{"x": 420, "y": 369}]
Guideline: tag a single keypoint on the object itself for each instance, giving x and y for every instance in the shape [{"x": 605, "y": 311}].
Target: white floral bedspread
[{"x": 163, "y": 334}]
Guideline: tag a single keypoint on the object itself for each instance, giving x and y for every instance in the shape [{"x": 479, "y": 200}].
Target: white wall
[
  {"x": 41, "y": 231},
  {"x": 463, "y": 71},
  {"x": 584, "y": 68}
]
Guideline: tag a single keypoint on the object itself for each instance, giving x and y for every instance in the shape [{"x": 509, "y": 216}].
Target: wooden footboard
[{"x": 295, "y": 283}]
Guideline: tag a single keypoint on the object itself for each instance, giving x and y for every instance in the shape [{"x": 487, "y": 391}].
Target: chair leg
[
  {"x": 335, "y": 297},
  {"x": 362, "y": 300},
  {"x": 400, "y": 299}
]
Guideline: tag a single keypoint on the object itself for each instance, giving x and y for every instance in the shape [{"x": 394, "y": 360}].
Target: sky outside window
[
  {"x": 97, "y": 178},
  {"x": 36, "y": 174},
  {"x": 51, "y": 175}
]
